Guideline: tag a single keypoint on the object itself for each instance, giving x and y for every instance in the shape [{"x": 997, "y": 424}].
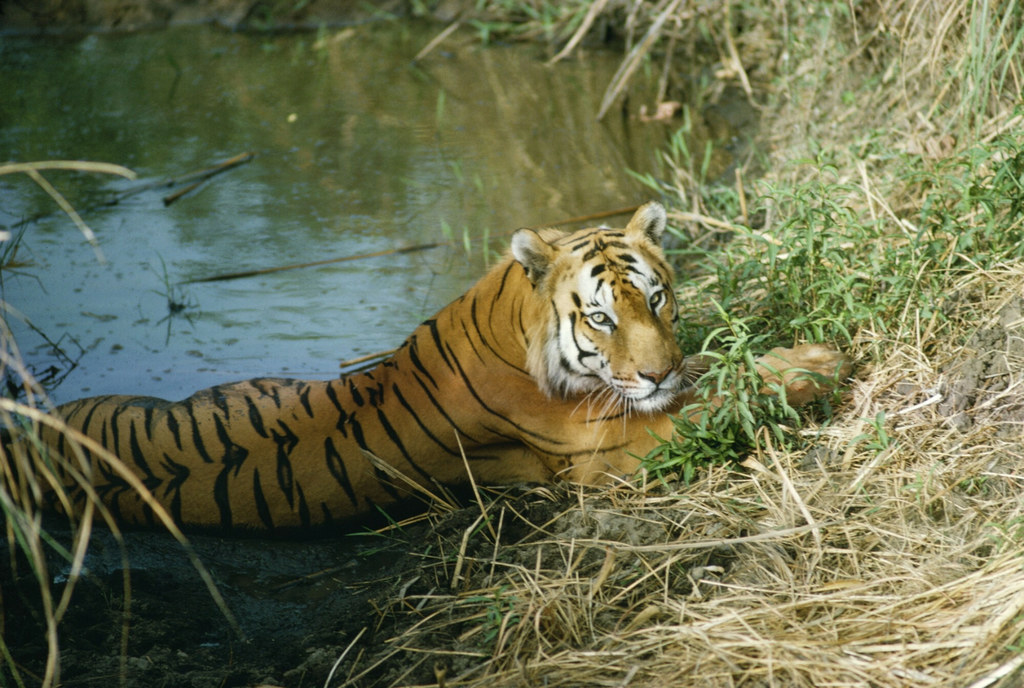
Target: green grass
[{"x": 829, "y": 269}]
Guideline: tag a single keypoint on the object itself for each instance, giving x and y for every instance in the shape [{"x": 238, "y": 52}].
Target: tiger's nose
[{"x": 657, "y": 377}]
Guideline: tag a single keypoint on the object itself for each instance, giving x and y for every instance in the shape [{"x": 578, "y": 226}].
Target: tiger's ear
[
  {"x": 533, "y": 253},
  {"x": 649, "y": 219}
]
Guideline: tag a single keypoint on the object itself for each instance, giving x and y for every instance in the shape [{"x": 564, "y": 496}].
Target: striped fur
[{"x": 556, "y": 365}]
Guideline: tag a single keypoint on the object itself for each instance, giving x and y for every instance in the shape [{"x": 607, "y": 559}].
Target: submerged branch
[
  {"x": 194, "y": 179},
  {"x": 315, "y": 263},
  {"x": 391, "y": 251}
]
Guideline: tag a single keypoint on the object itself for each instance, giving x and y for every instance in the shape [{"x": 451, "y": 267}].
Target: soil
[
  {"x": 983, "y": 376},
  {"x": 298, "y": 604},
  {"x": 309, "y": 613}
]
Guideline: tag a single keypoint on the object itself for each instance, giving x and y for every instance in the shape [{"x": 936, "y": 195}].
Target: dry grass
[
  {"x": 882, "y": 548},
  {"x": 864, "y": 560}
]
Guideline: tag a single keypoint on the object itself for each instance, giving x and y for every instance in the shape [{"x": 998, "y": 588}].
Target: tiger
[{"x": 561, "y": 363}]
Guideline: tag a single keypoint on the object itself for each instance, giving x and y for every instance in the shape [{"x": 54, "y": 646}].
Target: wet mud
[{"x": 363, "y": 610}]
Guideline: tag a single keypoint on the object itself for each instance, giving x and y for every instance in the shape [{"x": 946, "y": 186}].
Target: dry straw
[{"x": 887, "y": 549}]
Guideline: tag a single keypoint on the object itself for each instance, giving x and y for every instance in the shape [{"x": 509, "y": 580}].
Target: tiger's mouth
[{"x": 648, "y": 398}]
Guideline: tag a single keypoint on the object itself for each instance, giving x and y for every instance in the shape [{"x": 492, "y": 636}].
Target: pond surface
[{"x": 357, "y": 149}]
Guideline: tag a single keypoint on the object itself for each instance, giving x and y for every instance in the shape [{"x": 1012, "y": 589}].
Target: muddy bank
[{"x": 301, "y": 609}]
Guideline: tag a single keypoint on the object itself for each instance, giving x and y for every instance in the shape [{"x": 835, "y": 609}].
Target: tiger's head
[{"x": 604, "y": 313}]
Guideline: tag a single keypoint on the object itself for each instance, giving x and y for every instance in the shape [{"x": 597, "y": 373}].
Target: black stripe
[
  {"x": 336, "y": 467},
  {"x": 272, "y": 388},
  {"x": 332, "y": 394},
  {"x": 220, "y": 400},
  {"x": 88, "y": 416},
  {"x": 440, "y": 409},
  {"x": 581, "y": 353},
  {"x": 416, "y": 417},
  {"x": 382, "y": 478},
  {"x": 326, "y": 512},
  {"x": 356, "y": 396},
  {"x": 376, "y": 395},
  {"x": 582, "y": 240},
  {"x": 255, "y": 417},
  {"x": 262, "y": 508},
  {"x": 436, "y": 336},
  {"x": 286, "y": 442},
  {"x": 179, "y": 475},
  {"x": 147, "y": 416},
  {"x": 114, "y": 424},
  {"x": 414, "y": 356},
  {"x": 504, "y": 279},
  {"x": 197, "y": 437},
  {"x": 487, "y": 342},
  {"x": 397, "y": 441},
  {"x": 139, "y": 458},
  {"x": 173, "y": 427},
  {"x": 232, "y": 459},
  {"x": 357, "y": 433},
  {"x": 479, "y": 400},
  {"x": 614, "y": 416},
  {"x": 304, "y": 398},
  {"x": 513, "y": 439},
  {"x": 303, "y": 508}
]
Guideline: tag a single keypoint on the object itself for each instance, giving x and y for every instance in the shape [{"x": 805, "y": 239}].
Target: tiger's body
[{"x": 559, "y": 364}]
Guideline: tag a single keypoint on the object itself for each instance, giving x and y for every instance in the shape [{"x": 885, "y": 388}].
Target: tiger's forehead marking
[{"x": 617, "y": 263}]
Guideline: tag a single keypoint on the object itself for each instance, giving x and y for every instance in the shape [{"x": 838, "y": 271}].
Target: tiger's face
[{"x": 605, "y": 313}]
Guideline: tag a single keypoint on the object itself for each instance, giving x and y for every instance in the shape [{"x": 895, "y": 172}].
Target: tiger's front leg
[{"x": 807, "y": 371}]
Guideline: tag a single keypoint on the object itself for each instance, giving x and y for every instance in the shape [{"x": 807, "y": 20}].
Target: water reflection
[{"x": 358, "y": 150}]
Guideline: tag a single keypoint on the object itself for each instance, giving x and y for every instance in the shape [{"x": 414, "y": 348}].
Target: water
[{"x": 357, "y": 148}]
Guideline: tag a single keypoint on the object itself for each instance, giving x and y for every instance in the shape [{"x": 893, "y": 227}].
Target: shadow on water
[{"x": 358, "y": 150}]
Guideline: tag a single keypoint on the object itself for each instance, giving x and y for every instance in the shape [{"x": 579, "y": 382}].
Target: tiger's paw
[{"x": 808, "y": 371}]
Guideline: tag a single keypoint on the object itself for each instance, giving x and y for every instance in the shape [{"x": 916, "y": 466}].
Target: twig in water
[
  {"x": 326, "y": 261},
  {"x": 368, "y": 357},
  {"x": 437, "y": 40},
  {"x": 171, "y": 198},
  {"x": 592, "y": 216},
  {"x": 196, "y": 176},
  {"x": 390, "y": 251}
]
